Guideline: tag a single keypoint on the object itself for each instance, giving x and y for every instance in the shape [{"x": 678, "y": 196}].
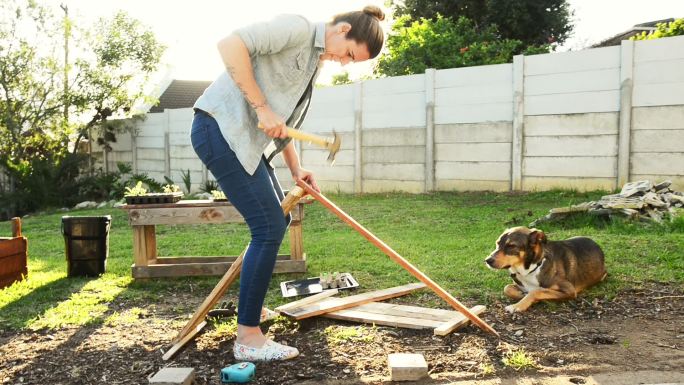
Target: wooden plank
[
  {"x": 296, "y": 237},
  {"x": 307, "y": 300},
  {"x": 207, "y": 269},
  {"x": 396, "y": 258},
  {"x": 354, "y": 315},
  {"x": 334, "y": 304},
  {"x": 16, "y": 227},
  {"x": 184, "y": 215},
  {"x": 212, "y": 299},
  {"x": 180, "y": 204},
  {"x": 207, "y": 259},
  {"x": 150, "y": 243},
  {"x": 139, "y": 246},
  {"x": 408, "y": 311},
  {"x": 458, "y": 321},
  {"x": 178, "y": 345}
]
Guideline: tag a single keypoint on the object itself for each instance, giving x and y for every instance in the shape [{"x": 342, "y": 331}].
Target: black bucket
[{"x": 87, "y": 244}]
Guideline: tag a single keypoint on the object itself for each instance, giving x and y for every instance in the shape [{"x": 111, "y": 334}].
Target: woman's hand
[
  {"x": 307, "y": 176},
  {"x": 272, "y": 124}
]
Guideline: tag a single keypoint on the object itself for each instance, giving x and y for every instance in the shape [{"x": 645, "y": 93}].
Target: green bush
[
  {"x": 414, "y": 46},
  {"x": 674, "y": 28}
]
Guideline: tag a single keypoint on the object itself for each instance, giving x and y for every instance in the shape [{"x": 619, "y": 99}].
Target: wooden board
[
  {"x": 410, "y": 317},
  {"x": 459, "y": 321},
  {"x": 334, "y": 304},
  {"x": 307, "y": 300},
  {"x": 183, "y": 215},
  {"x": 206, "y": 269}
]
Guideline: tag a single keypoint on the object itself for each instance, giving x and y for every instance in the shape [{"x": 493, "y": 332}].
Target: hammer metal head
[{"x": 334, "y": 147}]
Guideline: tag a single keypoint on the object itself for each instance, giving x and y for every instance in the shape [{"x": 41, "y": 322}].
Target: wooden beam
[
  {"x": 307, "y": 300},
  {"x": 159, "y": 270},
  {"x": 459, "y": 321},
  {"x": 183, "y": 215},
  {"x": 187, "y": 338},
  {"x": 334, "y": 304},
  {"x": 355, "y": 315},
  {"x": 397, "y": 258},
  {"x": 208, "y": 259},
  {"x": 16, "y": 227}
]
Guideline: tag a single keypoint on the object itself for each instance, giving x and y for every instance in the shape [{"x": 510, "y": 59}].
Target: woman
[{"x": 241, "y": 122}]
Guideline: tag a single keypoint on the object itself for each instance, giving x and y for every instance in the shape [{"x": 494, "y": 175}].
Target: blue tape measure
[{"x": 238, "y": 373}]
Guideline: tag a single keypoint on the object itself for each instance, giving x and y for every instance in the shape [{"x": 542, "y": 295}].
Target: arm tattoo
[{"x": 254, "y": 104}]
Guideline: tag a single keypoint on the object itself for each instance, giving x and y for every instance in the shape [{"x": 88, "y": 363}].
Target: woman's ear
[{"x": 343, "y": 27}]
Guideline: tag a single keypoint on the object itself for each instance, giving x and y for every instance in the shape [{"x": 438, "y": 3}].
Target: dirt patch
[{"x": 638, "y": 330}]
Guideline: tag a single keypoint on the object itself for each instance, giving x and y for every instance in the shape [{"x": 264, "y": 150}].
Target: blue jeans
[{"x": 257, "y": 197}]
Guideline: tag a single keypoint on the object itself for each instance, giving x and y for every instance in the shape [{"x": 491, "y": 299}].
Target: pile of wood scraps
[
  {"x": 366, "y": 308},
  {"x": 641, "y": 200}
]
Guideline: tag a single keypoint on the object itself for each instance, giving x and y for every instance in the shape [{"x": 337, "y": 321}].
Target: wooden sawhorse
[{"x": 147, "y": 264}]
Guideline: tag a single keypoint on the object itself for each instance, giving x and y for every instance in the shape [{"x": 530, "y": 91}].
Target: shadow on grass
[{"x": 27, "y": 308}]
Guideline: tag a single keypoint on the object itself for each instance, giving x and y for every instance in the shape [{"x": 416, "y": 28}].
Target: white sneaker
[{"x": 271, "y": 351}]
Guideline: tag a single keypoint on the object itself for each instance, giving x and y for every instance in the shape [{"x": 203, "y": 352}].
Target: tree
[
  {"x": 341, "y": 78},
  {"x": 106, "y": 80},
  {"x": 30, "y": 89},
  {"x": 443, "y": 43},
  {"x": 110, "y": 78},
  {"x": 533, "y": 22},
  {"x": 674, "y": 28}
]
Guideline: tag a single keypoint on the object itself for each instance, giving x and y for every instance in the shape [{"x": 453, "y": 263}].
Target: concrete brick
[
  {"x": 173, "y": 376},
  {"x": 407, "y": 366}
]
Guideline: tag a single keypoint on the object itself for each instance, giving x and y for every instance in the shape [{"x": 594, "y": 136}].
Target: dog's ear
[
  {"x": 537, "y": 236},
  {"x": 536, "y": 249}
]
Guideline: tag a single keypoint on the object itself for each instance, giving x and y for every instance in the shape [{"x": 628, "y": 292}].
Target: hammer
[{"x": 332, "y": 146}]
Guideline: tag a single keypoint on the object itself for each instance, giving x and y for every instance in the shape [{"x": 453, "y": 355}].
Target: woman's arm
[
  {"x": 239, "y": 65},
  {"x": 292, "y": 161}
]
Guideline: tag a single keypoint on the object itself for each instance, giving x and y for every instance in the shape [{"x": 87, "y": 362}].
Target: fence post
[
  {"x": 518, "y": 138},
  {"x": 167, "y": 147},
  {"x": 358, "y": 123},
  {"x": 134, "y": 151},
  {"x": 430, "y": 129},
  {"x": 625, "y": 124}
]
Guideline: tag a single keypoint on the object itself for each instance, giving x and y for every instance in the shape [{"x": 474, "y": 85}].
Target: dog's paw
[{"x": 513, "y": 309}]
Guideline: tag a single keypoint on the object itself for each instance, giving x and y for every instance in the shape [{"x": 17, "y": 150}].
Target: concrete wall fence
[{"x": 591, "y": 119}]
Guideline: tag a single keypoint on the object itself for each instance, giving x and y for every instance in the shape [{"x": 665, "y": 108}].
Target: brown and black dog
[{"x": 546, "y": 270}]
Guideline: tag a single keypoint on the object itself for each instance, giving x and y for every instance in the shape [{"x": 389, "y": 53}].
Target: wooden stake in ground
[
  {"x": 193, "y": 326},
  {"x": 397, "y": 258}
]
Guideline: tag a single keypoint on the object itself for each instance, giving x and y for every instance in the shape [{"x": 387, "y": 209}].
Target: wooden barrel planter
[{"x": 13, "y": 256}]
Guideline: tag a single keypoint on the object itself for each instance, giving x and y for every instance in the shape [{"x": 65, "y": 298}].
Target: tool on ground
[
  {"x": 197, "y": 321},
  {"x": 226, "y": 309},
  {"x": 238, "y": 373},
  {"x": 397, "y": 258},
  {"x": 332, "y": 146},
  {"x": 326, "y": 281}
]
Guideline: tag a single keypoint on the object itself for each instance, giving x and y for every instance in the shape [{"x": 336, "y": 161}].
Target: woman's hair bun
[{"x": 374, "y": 11}]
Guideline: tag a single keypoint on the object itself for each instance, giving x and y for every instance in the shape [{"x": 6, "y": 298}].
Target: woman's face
[{"x": 339, "y": 49}]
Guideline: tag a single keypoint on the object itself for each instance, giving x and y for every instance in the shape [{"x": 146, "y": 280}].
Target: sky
[{"x": 191, "y": 29}]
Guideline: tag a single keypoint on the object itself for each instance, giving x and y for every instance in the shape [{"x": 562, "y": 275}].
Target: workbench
[{"x": 148, "y": 264}]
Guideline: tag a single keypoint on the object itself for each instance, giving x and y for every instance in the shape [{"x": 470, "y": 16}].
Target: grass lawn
[{"x": 446, "y": 235}]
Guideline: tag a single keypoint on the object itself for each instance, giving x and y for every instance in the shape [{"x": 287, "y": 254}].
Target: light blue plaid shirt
[{"x": 285, "y": 57}]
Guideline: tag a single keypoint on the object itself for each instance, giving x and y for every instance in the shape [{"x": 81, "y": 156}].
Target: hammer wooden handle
[{"x": 303, "y": 136}]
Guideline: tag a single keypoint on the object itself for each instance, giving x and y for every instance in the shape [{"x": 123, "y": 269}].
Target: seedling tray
[
  {"x": 313, "y": 285},
  {"x": 154, "y": 198}
]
